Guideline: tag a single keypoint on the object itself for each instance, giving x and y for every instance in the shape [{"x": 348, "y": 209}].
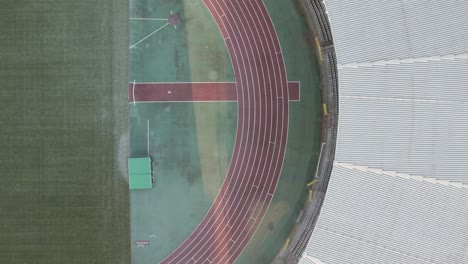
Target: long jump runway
[
  {"x": 262, "y": 93},
  {"x": 153, "y": 92}
]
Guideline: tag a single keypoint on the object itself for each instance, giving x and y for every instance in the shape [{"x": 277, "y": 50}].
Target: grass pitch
[{"x": 64, "y": 122}]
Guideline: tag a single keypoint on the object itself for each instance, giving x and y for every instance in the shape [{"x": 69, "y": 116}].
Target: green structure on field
[{"x": 140, "y": 173}]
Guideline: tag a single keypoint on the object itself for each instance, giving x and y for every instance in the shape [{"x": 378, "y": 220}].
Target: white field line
[
  {"x": 274, "y": 35},
  {"x": 240, "y": 163},
  {"x": 257, "y": 44},
  {"x": 152, "y": 19},
  {"x": 133, "y": 92},
  {"x": 183, "y": 82},
  {"x": 254, "y": 46},
  {"x": 232, "y": 178},
  {"x": 244, "y": 161},
  {"x": 219, "y": 101},
  {"x": 152, "y": 33},
  {"x": 276, "y": 164},
  {"x": 264, "y": 45},
  {"x": 235, "y": 139},
  {"x": 279, "y": 135},
  {"x": 147, "y": 132}
]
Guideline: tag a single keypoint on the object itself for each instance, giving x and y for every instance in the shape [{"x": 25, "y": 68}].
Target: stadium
[{"x": 234, "y": 131}]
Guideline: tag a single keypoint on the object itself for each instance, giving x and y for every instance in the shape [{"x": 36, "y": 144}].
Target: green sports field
[{"x": 64, "y": 132}]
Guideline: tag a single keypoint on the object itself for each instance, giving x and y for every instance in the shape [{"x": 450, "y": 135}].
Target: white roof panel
[
  {"x": 375, "y": 218},
  {"x": 428, "y": 139},
  {"x": 445, "y": 80},
  {"x": 399, "y": 187},
  {"x": 388, "y": 29}
]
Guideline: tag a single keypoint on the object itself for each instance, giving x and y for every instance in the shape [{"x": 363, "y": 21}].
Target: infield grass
[{"x": 64, "y": 122}]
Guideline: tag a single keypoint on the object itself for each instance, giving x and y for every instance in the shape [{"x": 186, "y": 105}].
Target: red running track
[
  {"x": 192, "y": 92},
  {"x": 262, "y": 127},
  {"x": 182, "y": 92}
]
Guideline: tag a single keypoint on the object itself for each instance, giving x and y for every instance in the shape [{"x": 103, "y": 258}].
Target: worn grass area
[{"x": 63, "y": 141}]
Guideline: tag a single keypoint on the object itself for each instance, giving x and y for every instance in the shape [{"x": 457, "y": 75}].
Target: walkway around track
[{"x": 262, "y": 127}]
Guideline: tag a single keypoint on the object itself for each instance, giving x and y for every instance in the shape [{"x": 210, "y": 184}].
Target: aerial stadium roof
[{"x": 398, "y": 192}]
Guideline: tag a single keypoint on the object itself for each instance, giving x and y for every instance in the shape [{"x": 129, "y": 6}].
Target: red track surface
[
  {"x": 294, "y": 89},
  {"x": 192, "y": 92},
  {"x": 182, "y": 92},
  {"x": 262, "y": 126}
]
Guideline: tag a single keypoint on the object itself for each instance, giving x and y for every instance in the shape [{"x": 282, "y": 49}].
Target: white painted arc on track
[
  {"x": 249, "y": 41},
  {"x": 278, "y": 163}
]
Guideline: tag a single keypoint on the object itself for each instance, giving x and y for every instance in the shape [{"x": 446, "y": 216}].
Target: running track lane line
[
  {"x": 280, "y": 116},
  {"x": 243, "y": 186},
  {"x": 193, "y": 92},
  {"x": 248, "y": 193},
  {"x": 234, "y": 60},
  {"x": 256, "y": 204},
  {"x": 247, "y": 213},
  {"x": 245, "y": 183}
]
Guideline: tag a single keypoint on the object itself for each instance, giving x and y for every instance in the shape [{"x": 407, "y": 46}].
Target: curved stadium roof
[{"x": 398, "y": 192}]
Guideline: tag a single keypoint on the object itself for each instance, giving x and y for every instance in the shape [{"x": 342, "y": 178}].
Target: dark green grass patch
[{"x": 64, "y": 121}]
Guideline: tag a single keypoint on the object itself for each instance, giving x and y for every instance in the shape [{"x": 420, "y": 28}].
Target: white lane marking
[
  {"x": 252, "y": 82},
  {"x": 133, "y": 92},
  {"x": 217, "y": 101},
  {"x": 186, "y": 82},
  {"x": 239, "y": 84},
  {"x": 144, "y": 18},
  {"x": 281, "y": 86},
  {"x": 147, "y": 126},
  {"x": 152, "y": 33}
]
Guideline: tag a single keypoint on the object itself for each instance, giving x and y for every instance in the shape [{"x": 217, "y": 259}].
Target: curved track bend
[{"x": 262, "y": 126}]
